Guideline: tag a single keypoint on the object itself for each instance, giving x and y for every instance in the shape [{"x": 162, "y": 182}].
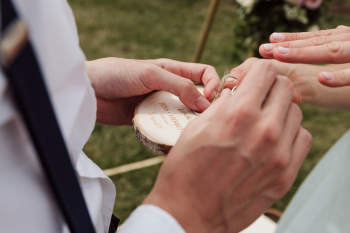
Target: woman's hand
[
  {"x": 327, "y": 46},
  {"x": 120, "y": 84},
  {"x": 303, "y": 79},
  {"x": 307, "y": 88}
]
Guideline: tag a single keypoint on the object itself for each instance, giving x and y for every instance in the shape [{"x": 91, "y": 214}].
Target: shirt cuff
[{"x": 150, "y": 218}]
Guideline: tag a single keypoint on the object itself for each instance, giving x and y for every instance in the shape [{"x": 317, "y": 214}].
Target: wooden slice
[{"x": 160, "y": 119}]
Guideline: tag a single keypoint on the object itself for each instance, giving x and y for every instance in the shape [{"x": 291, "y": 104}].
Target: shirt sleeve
[{"x": 150, "y": 218}]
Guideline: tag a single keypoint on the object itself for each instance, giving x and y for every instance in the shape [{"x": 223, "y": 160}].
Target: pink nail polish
[
  {"x": 202, "y": 103},
  {"x": 268, "y": 47},
  {"x": 278, "y": 36},
  {"x": 328, "y": 75},
  {"x": 283, "y": 50},
  {"x": 230, "y": 79}
]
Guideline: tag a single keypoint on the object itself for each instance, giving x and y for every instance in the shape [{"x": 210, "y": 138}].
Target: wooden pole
[
  {"x": 134, "y": 166},
  {"x": 205, "y": 30}
]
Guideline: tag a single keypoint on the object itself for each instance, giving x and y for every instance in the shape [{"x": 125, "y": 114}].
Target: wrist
[
  {"x": 183, "y": 210},
  {"x": 306, "y": 85}
]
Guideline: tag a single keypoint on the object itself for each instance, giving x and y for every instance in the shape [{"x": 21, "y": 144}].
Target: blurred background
[{"x": 153, "y": 29}]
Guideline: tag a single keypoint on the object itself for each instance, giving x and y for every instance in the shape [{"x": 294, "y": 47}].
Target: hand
[
  {"x": 303, "y": 77},
  {"x": 328, "y": 46},
  {"x": 237, "y": 158},
  {"x": 120, "y": 84},
  {"x": 307, "y": 88}
]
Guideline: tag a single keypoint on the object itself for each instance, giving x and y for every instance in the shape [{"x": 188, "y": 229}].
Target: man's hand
[
  {"x": 237, "y": 158},
  {"x": 120, "y": 84},
  {"x": 327, "y": 46}
]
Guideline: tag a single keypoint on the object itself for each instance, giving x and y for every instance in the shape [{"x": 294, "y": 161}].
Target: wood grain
[{"x": 160, "y": 119}]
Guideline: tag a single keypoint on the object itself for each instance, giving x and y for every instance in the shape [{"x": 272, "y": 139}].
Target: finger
[
  {"x": 205, "y": 74},
  {"x": 301, "y": 147},
  {"x": 240, "y": 71},
  {"x": 266, "y": 50},
  {"x": 279, "y": 37},
  {"x": 255, "y": 86},
  {"x": 231, "y": 83},
  {"x": 335, "y": 79},
  {"x": 278, "y": 102},
  {"x": 160, "y": 79},
  {"x": 291, "y": 127},
  {"x": 279, "y": 161},
  {"x": 336, "y": 52},
  {"x": 214, "y": 107}
]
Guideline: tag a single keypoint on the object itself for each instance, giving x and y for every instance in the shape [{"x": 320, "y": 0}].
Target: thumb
[
  {"x": 185, "y": 89},
  {"x": 335, "y": 79}
]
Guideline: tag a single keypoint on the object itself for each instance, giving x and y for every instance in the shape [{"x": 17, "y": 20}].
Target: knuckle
[
  {"x": 270, "y": 133},
  {"x": 319, "y": 40},
  {"x": 241, "y": 114},
  {"x": 295, "y": 36},
  {"x": 301, "y": 51},
  {"x": 268, "y": 65},
  {"x": 187, "y": 85},
  {"x": 334, "y": 49},
  {"x": 281, "y": 161},
  {"x": 148, "y": 69},
  {"x": 286, "y": 45},
  {"x": 342, "y": 77},
  {"x": 323, "y": 33}
]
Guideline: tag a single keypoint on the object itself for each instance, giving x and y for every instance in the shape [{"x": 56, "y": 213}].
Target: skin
[
  {"x": 327, "y": 46},
  {"x": 307, "y": 87},
  {"x": 237, "y": 158},
  {"x": 120, "y": 84},
  {"x": 233, "y": 161}
]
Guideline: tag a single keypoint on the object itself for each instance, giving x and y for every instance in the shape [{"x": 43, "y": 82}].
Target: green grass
[{"x": 169, "y": 29}]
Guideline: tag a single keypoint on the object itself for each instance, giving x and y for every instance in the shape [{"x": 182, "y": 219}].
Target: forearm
[{"x": 336, "y": 98}]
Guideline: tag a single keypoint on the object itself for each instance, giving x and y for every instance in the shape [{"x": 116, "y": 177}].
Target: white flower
[
  {"x": 247, "y": 4},
  {"x": 313, "y": 28},
  {"x": 295, "y": 13}
]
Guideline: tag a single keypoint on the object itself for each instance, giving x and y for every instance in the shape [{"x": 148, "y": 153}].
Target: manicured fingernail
[
  {"x": 341, "y": 26},
  {"x": 278, "y": 36},
  {"x": 268, "y": 47},
  {"x": 283, "y": 50},
  {"x": 230, "y": 79},
  {"x": 202, "y": 103},
  {"x": 213, "y": 94},
  {"x": 328, "y": 75}
]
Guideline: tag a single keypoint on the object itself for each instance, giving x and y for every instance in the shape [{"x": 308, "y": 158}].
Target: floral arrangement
[{"x": 258, "y": 19}]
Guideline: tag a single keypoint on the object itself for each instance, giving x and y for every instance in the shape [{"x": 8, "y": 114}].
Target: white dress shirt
[{"x": 26, "y": 201}]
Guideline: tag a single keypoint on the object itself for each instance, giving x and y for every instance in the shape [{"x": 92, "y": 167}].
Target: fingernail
[
  {"x": 341, "y": 26},
  {"x": 268, "y": 47},
  {"x": 202, "y": 103},
  {"x": 278, "y": 36},
  {"x": 328, "y": 75},
  {"x": 283, "y": 50},
  {"x": 213, "y": 94},
  {"x": 230, "y": 79}
]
